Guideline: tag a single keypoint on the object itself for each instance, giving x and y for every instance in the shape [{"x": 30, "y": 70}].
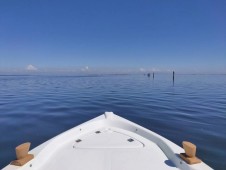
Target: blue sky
[{"x": 161, "y": 35}]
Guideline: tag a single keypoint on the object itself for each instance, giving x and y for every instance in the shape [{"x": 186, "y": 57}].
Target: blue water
[{"x": 36, "y": 108}]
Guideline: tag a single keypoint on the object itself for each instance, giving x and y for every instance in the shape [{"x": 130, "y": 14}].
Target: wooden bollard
[
  {"x": 22, "y": 150},
  {"x": 22, "y": 154},
  {"x": 190, "y": 152},
  {"x": 190, "y": 149}
]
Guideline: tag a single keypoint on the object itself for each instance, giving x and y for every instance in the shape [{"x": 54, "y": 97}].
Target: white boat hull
[{"x": 108, "y": 142}]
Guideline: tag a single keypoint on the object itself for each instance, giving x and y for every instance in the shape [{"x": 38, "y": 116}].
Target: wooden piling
[{"x": 173, "y": 75}]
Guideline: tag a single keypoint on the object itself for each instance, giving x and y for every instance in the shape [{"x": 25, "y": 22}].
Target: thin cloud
[
  {"x": 85, "y": 69},
  {"x": 155, "y": 70},
  {"x": 31, "y": 68},
  {"x": 142, "y": 69}
]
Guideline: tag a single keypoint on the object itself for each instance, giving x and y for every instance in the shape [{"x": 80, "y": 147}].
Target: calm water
[{"x": 36, "y": 108}]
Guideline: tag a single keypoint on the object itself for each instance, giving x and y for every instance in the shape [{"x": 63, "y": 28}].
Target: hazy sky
[{"x": 183, "y": 35}]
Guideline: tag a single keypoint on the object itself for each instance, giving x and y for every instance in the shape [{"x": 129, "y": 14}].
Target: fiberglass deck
[{"x": 109, "y": 149}]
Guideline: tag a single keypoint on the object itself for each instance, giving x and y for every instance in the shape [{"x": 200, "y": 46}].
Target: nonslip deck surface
[{"x": 107, "y": 149}]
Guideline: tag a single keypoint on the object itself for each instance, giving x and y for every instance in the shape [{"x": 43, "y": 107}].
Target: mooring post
[
  {"x": 153, "y": 75},
  {"x": 173, "y": 75}
]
